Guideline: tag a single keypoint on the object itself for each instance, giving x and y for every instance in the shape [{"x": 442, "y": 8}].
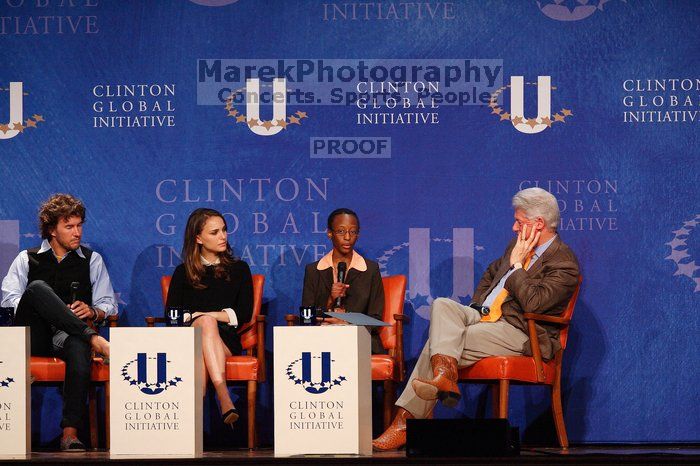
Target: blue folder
[{"x": 357, "y": 318}]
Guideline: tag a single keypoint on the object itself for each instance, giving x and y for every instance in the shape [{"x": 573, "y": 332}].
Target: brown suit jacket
[
  {"x": 365, "y": 294},
  {"x": 544, "y": 288}
]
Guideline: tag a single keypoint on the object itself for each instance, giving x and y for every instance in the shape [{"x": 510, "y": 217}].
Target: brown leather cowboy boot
[
  {"x": 444, "y": 385},
  {"x": 395, "y": 435}
]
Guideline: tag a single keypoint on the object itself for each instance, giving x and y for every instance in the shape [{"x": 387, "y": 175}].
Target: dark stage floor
[{"x": 582, "y": 455}]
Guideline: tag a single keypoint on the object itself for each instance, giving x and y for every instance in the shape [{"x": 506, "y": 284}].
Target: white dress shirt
[{"x": 15, "y": 282}]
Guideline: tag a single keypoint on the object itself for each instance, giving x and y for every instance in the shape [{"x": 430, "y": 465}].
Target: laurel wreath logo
[
  {"x": 233, "y": 112},
  {"x": 559, "y": 117},
  {"x": 29, "y": 123},
  {"x": 146, "y": 387},
  {"x": 685, "y": 265},
  {"x": 309, "y": 386},
  {"x": 7, "y": 381}
]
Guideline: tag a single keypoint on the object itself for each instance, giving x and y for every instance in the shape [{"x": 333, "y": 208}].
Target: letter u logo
[
  {"x": 306, "y": 313},
  {"x": 325, "y": 372},
  {"x": 16, "y": 110},
  {"x": 279, "y": 109},
  {"x": 419, "y": 265},
  {"x": 517, "y": 103},
  {"x": 161, "y": 373}
]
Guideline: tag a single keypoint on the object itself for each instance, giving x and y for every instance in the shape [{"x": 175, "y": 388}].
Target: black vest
[{"x": 59, "y": 276}]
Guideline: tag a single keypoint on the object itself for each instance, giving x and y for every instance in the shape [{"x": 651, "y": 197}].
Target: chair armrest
[
  {"x": 291, "y": 319},
  {"x": 249, "y": 325},
  {"x": 531, "y": 318},
  {"x": 112, "y": 321},
  {"x": 245, "y": 328},
  {"x": 260, "y": 321},
  {"x": 535, "y": 348},
  {"x": 398, "y": 348},
  {"x": 546, "y": 318},
  {"x": 152, "y": 321}
]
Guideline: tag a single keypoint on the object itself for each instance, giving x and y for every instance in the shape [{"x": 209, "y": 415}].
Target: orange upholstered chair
[
  {"x": 501, "y": 371},
  {"x": 249, "y": 367},
  {"x": 390, "y": 368},
  {"x": 387, "y": 368},
  {"x": 50, "y": 370}
]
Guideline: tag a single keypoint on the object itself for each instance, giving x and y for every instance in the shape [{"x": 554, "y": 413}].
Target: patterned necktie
[{"x": 495, "y": 309}]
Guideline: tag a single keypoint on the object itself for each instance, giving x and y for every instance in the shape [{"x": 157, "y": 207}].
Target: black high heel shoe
[{"x": 230, "y": 416}]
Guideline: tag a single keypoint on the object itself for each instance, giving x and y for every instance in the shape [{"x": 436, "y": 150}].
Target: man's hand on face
[
  {"x": 524, "y": 244},
  {"x": 81, "y": 310}
]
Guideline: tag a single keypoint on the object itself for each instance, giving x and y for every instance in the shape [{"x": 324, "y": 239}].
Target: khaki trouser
[{"x": 457, "y": 331}]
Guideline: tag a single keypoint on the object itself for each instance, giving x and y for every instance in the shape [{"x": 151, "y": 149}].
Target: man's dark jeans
[{"x": 56, "y": 331}]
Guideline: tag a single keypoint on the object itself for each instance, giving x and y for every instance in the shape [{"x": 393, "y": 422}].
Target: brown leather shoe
[
  {"x": 395, "y": 435},
  {"x": 443, "y": 386}
]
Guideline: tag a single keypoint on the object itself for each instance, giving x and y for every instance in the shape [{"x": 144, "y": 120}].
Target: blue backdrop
[{"x": 136, "y": 107}]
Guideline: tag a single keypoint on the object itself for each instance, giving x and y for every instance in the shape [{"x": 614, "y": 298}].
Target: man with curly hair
[{"x": 55, "y": 289}]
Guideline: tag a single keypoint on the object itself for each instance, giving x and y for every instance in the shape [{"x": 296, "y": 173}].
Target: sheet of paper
[{"x": 357, "y": 318}]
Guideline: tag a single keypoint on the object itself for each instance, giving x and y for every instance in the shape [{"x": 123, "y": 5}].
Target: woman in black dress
[
  {"x": 361, "y": 290},
  {"x": 218, "y": 291}
]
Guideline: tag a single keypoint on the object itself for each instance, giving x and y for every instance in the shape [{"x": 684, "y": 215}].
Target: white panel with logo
[
  {"x": 15, "y": 419},
  {"x": 156, "y": 392},
  {"x": 323, "y": 385}
]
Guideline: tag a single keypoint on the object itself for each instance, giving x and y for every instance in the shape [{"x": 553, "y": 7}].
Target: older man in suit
[{"x": 537, "y": 273}]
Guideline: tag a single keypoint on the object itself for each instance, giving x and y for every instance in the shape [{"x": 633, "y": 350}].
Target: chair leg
[
  {"x": 503, "y": 386},
  {"x": 92, "y": 416},
  {"x": 558, "y": 414},
  {"x": 107, "y": 415},
  {"x": 494, "y": 400},
  {"x": 389, "y": 400},
  {"x": 252, "y": 402}
]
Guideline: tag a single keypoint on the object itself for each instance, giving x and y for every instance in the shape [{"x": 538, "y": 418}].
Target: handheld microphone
[
  {"x": 74, "y": 291},
  {"x": 342, "y": 267}
]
